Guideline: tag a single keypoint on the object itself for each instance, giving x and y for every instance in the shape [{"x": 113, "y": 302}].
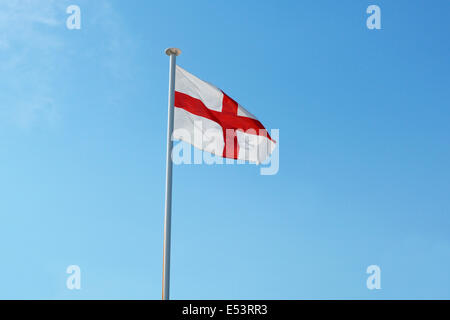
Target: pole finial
[{"x": 171, "y": 51}]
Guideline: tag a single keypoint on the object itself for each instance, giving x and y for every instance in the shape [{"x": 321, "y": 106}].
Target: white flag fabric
[{"x": 210, "y": 120}]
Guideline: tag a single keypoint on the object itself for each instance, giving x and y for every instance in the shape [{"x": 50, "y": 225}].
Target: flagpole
[{"x": 172, "y": 53}]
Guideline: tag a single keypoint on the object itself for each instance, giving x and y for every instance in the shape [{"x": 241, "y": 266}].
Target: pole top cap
[{"x": 171, "y": 51}]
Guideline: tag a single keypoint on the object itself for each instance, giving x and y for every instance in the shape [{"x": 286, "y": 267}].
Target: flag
[{"x": 210, "y": 120}]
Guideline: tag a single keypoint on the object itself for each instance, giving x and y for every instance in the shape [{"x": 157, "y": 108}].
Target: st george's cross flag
[{"x": 210, "y": 120}]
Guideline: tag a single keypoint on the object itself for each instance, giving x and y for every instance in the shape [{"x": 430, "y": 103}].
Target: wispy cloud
[
  {"x": 35, "y": 46},
  {"x": 27, "y": 46}
]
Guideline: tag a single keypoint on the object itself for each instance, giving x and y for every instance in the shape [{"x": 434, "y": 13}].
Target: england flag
[{"x": 210, "y": 120}]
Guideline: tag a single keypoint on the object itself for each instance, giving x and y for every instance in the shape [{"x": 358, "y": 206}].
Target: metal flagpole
[{"x": 172, "y": 53}]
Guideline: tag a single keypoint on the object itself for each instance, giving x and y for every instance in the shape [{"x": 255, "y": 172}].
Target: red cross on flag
[{"x": 210, "y": 120}]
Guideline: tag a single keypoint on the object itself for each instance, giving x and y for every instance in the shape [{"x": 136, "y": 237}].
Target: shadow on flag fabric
[{"x": 210, "y": 120}]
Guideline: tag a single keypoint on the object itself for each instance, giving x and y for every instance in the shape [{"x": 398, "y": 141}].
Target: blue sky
[{"x": 364, "y": 150}]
